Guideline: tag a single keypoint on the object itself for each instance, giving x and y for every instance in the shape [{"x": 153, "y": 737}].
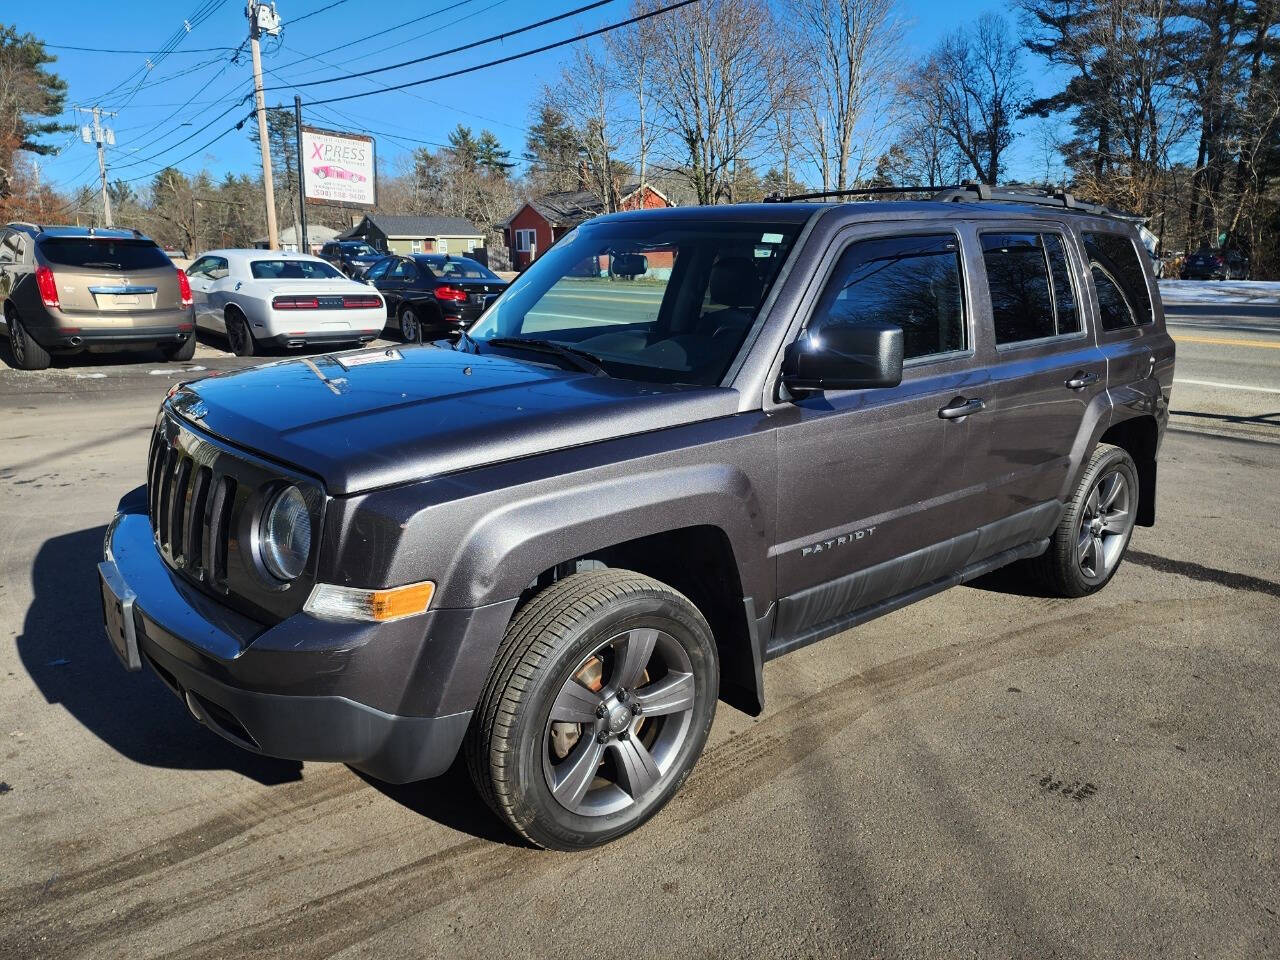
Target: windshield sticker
[
  {"x": 372, "y": 356},
  {"x": 771, "y": 238}
]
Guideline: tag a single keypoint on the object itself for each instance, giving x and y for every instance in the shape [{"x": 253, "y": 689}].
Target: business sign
[{"x": 339, "y": 168}]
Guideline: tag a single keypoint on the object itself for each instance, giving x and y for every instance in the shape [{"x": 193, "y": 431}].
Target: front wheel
[
  {"x": 1093, "y": 535},
  {"x": 599, "y": 704}
]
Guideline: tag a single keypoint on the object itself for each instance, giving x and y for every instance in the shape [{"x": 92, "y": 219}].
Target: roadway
[{"x": 987, "y": 773}]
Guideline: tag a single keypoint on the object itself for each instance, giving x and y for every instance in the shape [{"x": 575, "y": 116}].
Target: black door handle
[
  {"x": 959, "y": 408},
  {"x": 1081, "y": 380}
]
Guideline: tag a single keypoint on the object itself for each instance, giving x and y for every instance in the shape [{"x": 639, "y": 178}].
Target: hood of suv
[{"x": 375, "y": 418}]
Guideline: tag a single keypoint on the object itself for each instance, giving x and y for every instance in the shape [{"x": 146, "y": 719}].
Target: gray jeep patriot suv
[{"x": 556, "y": 544}]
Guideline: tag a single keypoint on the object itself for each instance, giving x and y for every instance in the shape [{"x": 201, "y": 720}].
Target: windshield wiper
[{"x": 584, "y": 361}]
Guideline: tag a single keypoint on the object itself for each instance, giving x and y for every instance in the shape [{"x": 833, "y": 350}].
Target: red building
[{"x": 540, "y": 222}]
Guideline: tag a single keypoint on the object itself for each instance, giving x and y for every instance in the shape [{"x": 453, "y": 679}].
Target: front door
[{"x": 872, "y": 484}]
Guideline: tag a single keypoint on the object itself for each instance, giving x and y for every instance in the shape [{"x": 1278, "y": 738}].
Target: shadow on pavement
[
  {"x": 450, "y": 800},
  {"x": 64, "y": 649}
]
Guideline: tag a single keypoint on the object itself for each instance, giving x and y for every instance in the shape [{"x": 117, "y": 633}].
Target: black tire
[
  {"x": 26, "y": 353},
  {"x": 239, "y": 335},
  {"x": 412, "y": 333},
  {"x": 1060, "y": 568},
  {"x": 181, "y": 351},
  {"x": 547, "y": 644}
]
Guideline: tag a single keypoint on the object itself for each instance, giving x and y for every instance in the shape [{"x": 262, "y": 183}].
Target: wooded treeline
[{"x": 1166, "y": 108}]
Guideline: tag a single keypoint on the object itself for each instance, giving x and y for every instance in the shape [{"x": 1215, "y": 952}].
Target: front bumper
[{"x": 393, "y": 700}]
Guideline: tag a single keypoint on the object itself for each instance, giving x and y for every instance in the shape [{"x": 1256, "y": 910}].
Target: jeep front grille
[
  {"x": 190, "y": 508},
  {"x": 203, "y": 498}
]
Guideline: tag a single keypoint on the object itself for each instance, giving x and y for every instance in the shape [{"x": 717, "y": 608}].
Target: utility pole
[
  {"x": 303, "y": 246},
  {"x": 263, "y": 19},
  {"x": 101, "y": 136}
]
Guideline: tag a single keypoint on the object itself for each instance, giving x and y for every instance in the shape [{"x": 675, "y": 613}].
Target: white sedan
[{"x": 258, "y": 297}]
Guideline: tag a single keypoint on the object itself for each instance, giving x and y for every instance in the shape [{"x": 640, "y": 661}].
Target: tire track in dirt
[
  {"x": 779, "y": 742},
  {"x": 174, "y": 851}
]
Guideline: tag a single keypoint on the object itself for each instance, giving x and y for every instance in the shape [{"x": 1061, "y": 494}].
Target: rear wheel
[
  {"x": 410, "y": 326},
  {"x": 599, "y": 704},
  {"x": 1093, "y": 535},
  {"x": 180, "y": 351},
  {"x": 27, "y": 354},
  {"x": 239, "y": 336}
]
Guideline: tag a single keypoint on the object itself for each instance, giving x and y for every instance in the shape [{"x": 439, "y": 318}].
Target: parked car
[
  {"x": 259, "y": 297},
  {"x": 433, "y": 295},
  {"x": 1216, "y": 264},
  {"x": 556, "y": 545},
  {"x": 352, "y": 257},
  {"x": 66, "y": 290}
]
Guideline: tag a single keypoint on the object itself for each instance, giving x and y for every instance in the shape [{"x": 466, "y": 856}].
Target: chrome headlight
[{"x": 285, "y": 535}]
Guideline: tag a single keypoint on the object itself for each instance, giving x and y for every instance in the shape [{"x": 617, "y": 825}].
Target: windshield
[
  {"x": 293, "y": 270},
  {"x": 103, "y": 252},
  {"x": 457, "y": 268},
  {"x": 360, "y": 250},
  {"x": 656, "y": 300}
]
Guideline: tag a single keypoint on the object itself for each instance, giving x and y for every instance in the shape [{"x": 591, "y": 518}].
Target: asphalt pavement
[{"x": 989, "y": 773}]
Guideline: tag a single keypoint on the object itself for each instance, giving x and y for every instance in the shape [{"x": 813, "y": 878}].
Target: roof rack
[
  {"x": 855, "y": 192},
  {"x": 972, "y": 192}
]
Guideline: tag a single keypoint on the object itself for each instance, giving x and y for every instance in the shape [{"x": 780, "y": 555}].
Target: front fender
[
  {"x": 483, "y": 535},
  {"x": 506, "y": 550}
]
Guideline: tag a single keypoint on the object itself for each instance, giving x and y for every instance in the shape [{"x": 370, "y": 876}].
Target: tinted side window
[
  {"x": 1118, "y": 259},
  {"x": 404, "y": 270},
  {"x": 1018, "y": 276},
  {"x": 200, "y": 268},
  {"x": 9, "y": 248},
  {"x": 1064, "y": 297},
  {"x": 911, "y": 281},
  {"x": 377, "y": 271},
  {"x": 1115, "y": 313}
]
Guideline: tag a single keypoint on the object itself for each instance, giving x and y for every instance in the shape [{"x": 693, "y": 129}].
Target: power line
[
  {"x": 145, "y": 53},
  {"x": 314, "y": 13},
  {"x": 379, "y": 33},
  {"x": 600, "y": 31},
  {"x": 444, "y": 53}
]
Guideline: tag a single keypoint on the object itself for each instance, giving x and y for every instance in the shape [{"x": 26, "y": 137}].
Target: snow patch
[{"x": 1220, "y": 291}]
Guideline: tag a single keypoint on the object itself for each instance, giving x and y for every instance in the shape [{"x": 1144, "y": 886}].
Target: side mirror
[{"x": 844, "y": 358}]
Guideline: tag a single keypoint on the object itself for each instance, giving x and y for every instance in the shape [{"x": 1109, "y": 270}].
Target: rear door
[
  {"x": 872, "y": 485},
  {"x": 1131, "y": 331},
  {"x": 377, "y": 276},
  {"x": 1045, "y": 371}
]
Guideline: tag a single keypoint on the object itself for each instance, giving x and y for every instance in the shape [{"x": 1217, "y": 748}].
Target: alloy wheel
[
  {"x": 1105, "y": 524},
  {"x": 409, "y": 328},
  {"x": 618, "y": 724},
  {"x": 237, "y": 330},
  {"x": 17, "y": 342}
]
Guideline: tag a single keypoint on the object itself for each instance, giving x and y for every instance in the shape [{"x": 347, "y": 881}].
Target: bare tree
[
  {"x": 631, "y": 50},
  {"x": 850, "y": 51},
  {"x": 586, "y": 95},
  {"x": 713, "y": 63},
  {"x": 972, "y": 87}
]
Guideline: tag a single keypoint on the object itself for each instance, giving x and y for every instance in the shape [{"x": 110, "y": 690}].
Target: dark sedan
[
  {"x": 430, "y": 296},
  {"x": 1208, "y": 264}
]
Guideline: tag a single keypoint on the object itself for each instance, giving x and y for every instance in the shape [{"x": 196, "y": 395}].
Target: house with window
[
  {"x": 317, "y": 236},
  {"x": 540, "y": 222},
  {"x": 426, "y": 234}
]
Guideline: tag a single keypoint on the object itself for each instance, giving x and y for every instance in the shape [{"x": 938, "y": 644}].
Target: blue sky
[{"x": 153, "y": 103}]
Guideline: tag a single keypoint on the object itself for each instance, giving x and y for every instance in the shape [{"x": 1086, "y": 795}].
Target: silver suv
[{"x": 70, "y": 289}]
